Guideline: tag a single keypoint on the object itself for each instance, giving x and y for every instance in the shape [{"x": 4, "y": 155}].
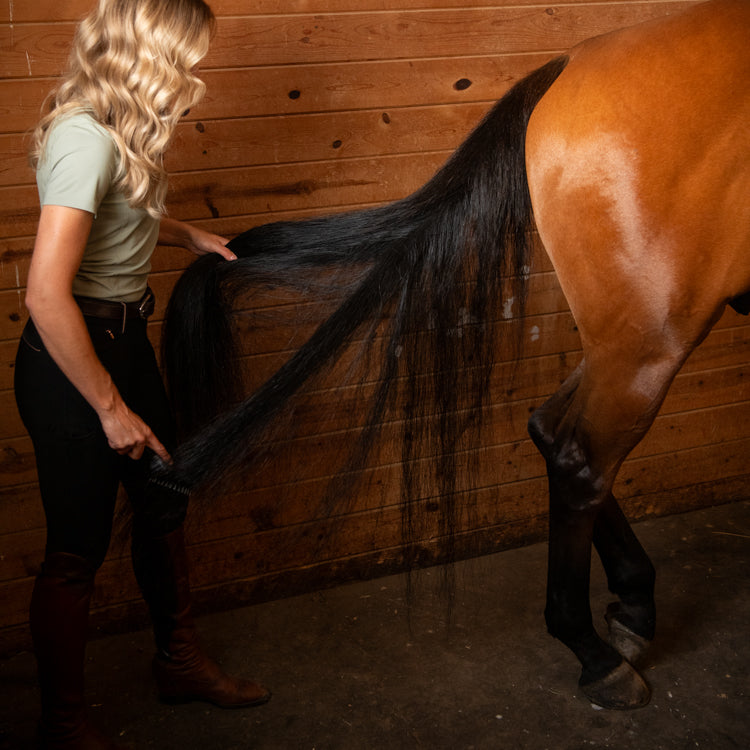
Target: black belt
[{"x": 109, "y": 310}]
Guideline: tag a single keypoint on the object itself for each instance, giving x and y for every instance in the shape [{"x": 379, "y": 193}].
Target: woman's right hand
[{"x": 128, "y": 434}]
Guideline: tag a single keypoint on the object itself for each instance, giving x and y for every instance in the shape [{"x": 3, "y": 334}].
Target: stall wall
[{"x": 326, "y": 105}]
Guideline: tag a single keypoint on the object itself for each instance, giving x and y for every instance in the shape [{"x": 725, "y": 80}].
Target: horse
[{"x": 630, "y": 158}]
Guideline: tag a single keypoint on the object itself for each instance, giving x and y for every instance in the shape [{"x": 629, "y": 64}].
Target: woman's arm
[
  {"x": 58, "y": 250},
  {"x": 198, "y": 241}
]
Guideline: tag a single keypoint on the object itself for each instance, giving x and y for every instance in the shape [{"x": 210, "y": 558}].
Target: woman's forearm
[
  {"x": 173, "y": 232},
  {"x": 63, "y": 331}
]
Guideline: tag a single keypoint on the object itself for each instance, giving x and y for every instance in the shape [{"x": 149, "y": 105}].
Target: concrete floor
[{"x": 353, "y": 669}]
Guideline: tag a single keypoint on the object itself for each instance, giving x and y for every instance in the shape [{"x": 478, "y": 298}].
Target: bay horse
[{"x": 630, "y": 157}]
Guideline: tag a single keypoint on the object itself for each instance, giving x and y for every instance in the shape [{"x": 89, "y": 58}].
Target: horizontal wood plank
[
  {"x": 241, "y": 192},
  {"x": 301, "y": 89},
  {"x": 237, "y": 143},
  {"x": 72, "y": 10}
]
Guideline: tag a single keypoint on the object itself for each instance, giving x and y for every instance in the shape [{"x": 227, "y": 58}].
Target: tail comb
[{"x": 161, "y": 480}]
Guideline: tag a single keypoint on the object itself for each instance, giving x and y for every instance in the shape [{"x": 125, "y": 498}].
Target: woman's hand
[
  {"x": 128, "y": 434},
  {"x": 198, "y": 241},
  {"x": 205, "y": 242}
]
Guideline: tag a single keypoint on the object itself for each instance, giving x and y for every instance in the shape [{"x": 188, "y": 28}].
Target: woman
[{"x": 87, "y": 383}]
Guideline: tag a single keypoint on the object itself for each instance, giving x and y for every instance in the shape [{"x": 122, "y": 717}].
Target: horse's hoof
[
  {"x": 629, "y": 644},
  {"x": 622, "y": 689}
]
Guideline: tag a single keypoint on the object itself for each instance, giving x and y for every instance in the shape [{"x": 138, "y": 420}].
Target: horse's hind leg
[
  {"x": 584, "y": 433},
  {"x": 630, "y": 573}
]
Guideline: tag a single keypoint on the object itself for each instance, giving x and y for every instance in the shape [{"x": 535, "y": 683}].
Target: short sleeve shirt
[{"x": 79, "y": 169}]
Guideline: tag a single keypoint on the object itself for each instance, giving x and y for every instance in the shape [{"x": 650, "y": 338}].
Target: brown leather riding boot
[
  {"x": 58, "y": 618},
  {"x": 183, "y": 672}
]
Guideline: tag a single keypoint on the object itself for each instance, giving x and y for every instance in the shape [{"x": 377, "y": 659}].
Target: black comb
[{"x": 160, "y": 479}]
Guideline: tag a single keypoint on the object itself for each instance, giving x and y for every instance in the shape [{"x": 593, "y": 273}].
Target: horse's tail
[{"x": 432, "y": 266}]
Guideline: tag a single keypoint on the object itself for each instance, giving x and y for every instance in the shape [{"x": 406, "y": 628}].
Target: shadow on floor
[{"x": 353, "y": 668}]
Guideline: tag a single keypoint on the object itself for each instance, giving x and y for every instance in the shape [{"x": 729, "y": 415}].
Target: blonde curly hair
[{"x": 131, "y": 66}]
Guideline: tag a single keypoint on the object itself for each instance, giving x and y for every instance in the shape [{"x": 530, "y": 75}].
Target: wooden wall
[{"x": 318, "y": 106}]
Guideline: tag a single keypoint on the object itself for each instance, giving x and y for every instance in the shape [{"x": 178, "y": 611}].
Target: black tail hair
[{"x": 431, "y": 266}]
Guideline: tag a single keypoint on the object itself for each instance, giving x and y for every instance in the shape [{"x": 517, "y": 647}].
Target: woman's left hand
[
  {"x": 204, "y": 242},
  {"x": 198, "y": 241}
]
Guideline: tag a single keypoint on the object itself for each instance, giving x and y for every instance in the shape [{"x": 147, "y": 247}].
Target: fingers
[
  {"x": 128, "y": 435},
  {"x": 224, "y": 251},
  {"x": 159, "y": 449},
  {"x": 205, "y": 242},
  {"x": 135, "y": 449}
]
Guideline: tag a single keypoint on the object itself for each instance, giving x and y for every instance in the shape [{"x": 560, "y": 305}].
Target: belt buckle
[{"x": 147, "y": 304}]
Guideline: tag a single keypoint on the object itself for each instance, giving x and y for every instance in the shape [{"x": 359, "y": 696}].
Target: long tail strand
[{"x": 433, "y": 266}]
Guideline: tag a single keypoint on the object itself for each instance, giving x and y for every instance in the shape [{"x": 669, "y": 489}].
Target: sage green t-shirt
[{"x": 78, "y": 169}]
